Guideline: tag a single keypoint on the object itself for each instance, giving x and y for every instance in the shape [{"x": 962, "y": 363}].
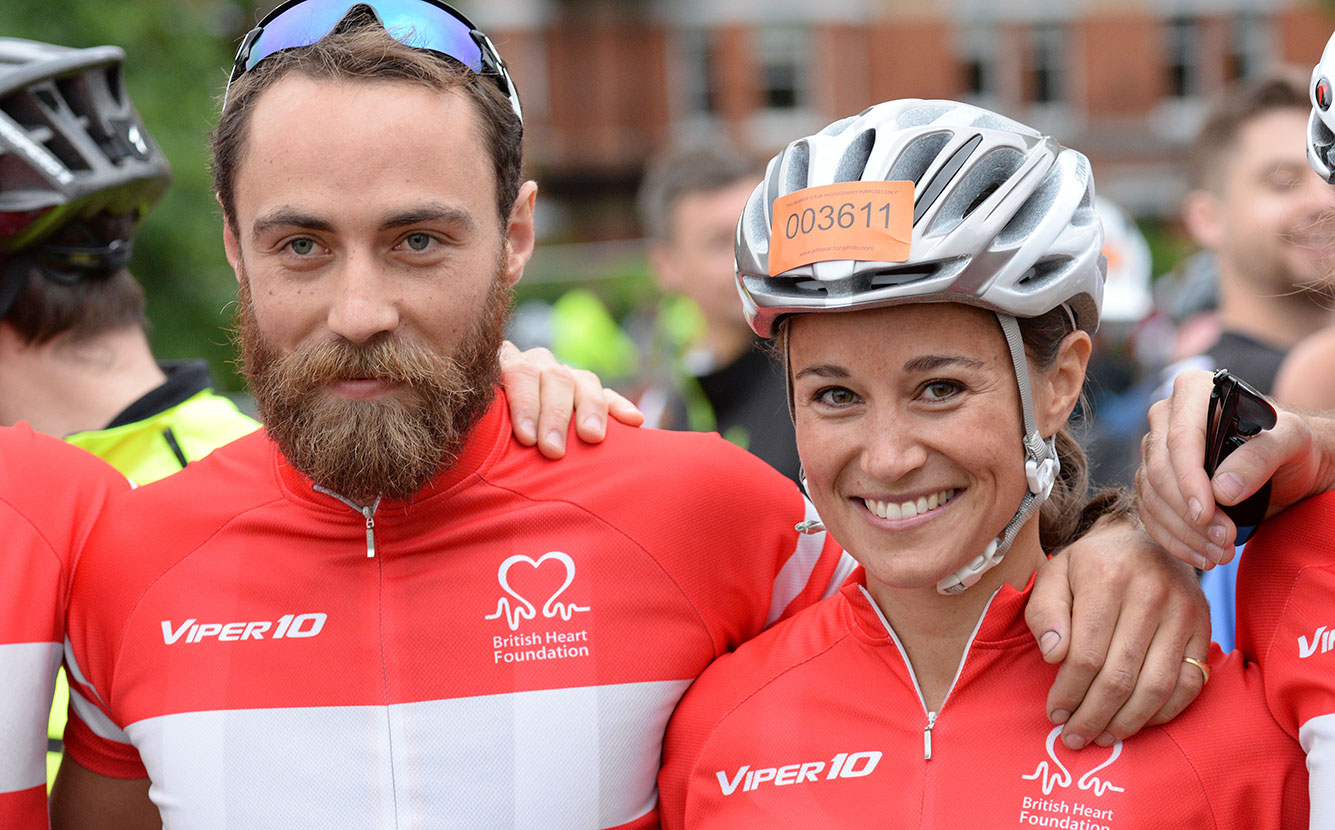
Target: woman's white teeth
[{"x": 909, "y": 509}]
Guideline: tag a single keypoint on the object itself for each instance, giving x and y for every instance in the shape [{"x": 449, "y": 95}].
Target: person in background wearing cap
[
  {"x": 1286, "y": 580},
  {"x": 936, "y": 341},
  {"x": 382, "y": 610}
]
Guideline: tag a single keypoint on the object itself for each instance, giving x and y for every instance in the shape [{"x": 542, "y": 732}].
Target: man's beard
[{"x": 389, "y": 446}]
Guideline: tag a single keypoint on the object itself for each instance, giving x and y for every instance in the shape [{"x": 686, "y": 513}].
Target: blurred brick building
[{"x": 606, "y": 83}]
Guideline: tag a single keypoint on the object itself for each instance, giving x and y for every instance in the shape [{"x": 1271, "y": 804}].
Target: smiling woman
[{"x": 934, "y": 294}]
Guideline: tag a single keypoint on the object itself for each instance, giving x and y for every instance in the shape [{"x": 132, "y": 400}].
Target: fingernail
[
  {"x": 1073, "y": 741},
  {"x": 556, "y": 438},
  {"x": 1215, "y": 553},
  {"x": 1215, "y": 534},
  {"x": 1194, "y": 506},
  {"x": 528, "y": 429},
  {"x": 1060, "y": 716},
  {"x": 1229, "y": 485},
  {"x": 593, "y": 423},
  {"x": 1049, "y": 641},
  {"x": 1106, "y": 739},
  {"x": 1200, "y": 563}
]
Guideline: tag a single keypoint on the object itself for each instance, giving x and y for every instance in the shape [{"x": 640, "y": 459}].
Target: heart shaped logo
[
  {"x": 522, "y": 608},
  {"x": 1056, "y": 774}
]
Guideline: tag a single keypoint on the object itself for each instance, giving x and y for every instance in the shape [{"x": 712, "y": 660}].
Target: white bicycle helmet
[
  {"x": 1321, "y": 124},
  {"x": 1003, "y": 219}
]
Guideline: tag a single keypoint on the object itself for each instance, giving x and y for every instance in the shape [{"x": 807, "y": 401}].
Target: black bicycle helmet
[{"x": 72, "y": 149}]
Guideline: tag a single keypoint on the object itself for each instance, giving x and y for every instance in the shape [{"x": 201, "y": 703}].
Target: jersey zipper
[
  {"x": 931, "y": 716},
  {"x": 367, "y": 511},
  {"x": 927, "y": 737}
]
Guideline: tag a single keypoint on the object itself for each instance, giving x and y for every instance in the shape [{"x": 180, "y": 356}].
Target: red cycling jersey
[
  {"x": 504, "y": 650},
  {"x": 1286, "y": 621},
  {"x": 50, "y": 493},
  {"x": 819, "y": 723}
]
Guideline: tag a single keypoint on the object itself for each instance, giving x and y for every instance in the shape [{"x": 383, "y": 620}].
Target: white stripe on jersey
[
  {"x": 95, "y": 719},
  {"x": 796, "y": 572},
  {"x": 27, "y": 679},
  {"x": 431, "y": 764},
  {"x": 76, "y": 673},
  {"x": 1318, "y": 739}
]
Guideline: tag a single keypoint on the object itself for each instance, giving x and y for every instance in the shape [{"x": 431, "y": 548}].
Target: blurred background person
[
  {"x": 1118, "y": 381},
  {"x": 712, "y": 373},
  {"x": 1255, "y": 205},
  {"x": 78, "y": 171}
]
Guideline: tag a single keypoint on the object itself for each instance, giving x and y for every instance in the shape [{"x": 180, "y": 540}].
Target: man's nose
[{"x": 364, "y": 304}]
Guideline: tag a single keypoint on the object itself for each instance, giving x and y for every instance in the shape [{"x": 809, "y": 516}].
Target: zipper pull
[
  {"x": 369, "y": 513},
  {"x": 927, "y": 737}
]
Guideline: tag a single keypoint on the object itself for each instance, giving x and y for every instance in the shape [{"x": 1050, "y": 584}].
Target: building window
[
  {"x": 1047, "y": 62},
  {"x": 697, "y": 65},
  {"x": 782, "y": 56},
  {"x": 979, "y": 57},
  {"x": 1182, "y": 59},
  {"x": 1250, "y": 47}
]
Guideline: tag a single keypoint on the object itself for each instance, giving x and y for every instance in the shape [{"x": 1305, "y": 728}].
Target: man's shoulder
[
  {"x": 143, "y": 532},
  {"x": 659, "y": 477},
  {"x": 47, "y": 480}
]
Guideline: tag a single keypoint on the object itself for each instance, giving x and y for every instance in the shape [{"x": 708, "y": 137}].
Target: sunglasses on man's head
[
  {"x": 423, "y": 24},
  {"x": 1237, "y": 412}
]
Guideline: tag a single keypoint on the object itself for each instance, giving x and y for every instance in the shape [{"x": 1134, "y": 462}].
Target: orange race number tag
[{"x": 868, "y": 221}]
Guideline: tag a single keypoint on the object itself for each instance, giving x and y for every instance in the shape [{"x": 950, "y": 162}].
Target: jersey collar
[{"x": 484, "y": 443}]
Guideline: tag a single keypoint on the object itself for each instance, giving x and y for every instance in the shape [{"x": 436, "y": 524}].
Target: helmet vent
[
  {"x": 1043, "y": 273},
  {"x": 35, "y": 121},
  {"x": 983, "y": 178},
  {"x": 919, "y": 116},
  {"x": 901, "y": 276},
  {"x": 853, "y": 164},
  {"x": 1031, "y": 214},
  {"x": 917, "y": 157}
]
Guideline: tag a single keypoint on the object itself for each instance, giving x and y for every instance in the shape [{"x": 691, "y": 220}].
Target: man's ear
[
  {"x": 1202, "y": 214},
  {"x": 1064, "y": 380},
  {"x": 520, "y": 235},
  {"x": 230, "y": 245}
]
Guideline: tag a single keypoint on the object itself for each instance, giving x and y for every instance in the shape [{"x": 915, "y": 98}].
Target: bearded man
[{"x": 383, "y": 610}]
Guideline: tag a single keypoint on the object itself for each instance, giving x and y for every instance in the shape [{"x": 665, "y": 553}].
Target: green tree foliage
[{"x": 177, "y": 55}]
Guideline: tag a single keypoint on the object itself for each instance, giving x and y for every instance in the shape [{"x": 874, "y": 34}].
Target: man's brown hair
[
  {"x": 364, "y": 51},
  {"x": 1236, "y": 107}
]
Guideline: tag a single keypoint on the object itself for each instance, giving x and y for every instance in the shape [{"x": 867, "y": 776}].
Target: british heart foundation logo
[
  {"x": 526, "y": 580},
  {"x": 1053, "y": 773}
]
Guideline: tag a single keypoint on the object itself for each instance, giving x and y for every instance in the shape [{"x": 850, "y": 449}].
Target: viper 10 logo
[
  {"x": 288, "y": 626},
  {"x": 843, "y": 765}
]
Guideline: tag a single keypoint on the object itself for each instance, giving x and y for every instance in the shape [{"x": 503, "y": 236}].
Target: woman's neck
[{"x": 935, "y": 629}]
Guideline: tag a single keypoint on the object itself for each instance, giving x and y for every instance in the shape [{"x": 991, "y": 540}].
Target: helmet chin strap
[{"x": 1040, "y": 466}]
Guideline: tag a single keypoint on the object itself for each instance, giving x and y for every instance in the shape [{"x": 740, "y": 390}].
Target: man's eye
[
  {"x": 418, "y": 241},
  {"x": 302, "y": 247}
]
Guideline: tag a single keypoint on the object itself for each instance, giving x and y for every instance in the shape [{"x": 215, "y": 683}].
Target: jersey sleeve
[
  {"x": 1286, "y": 617},
  {"x": 738, "y": 554},
  {"x": 98, "y": 609},
  {"x": 50, "y": 495}
]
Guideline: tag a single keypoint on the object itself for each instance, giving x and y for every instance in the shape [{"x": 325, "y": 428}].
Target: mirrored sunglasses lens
[
  {"x": 300, "y": 25},
  {"x": 413, "y": 22}
]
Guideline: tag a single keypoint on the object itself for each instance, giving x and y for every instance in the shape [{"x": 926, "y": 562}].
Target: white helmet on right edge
[
  {"x": 1321, "y": 125},
  {"x": 1002, "y": 217}
]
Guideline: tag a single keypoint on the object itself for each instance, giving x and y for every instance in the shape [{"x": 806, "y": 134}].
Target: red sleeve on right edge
[{"x": 1286, "y": 610}]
